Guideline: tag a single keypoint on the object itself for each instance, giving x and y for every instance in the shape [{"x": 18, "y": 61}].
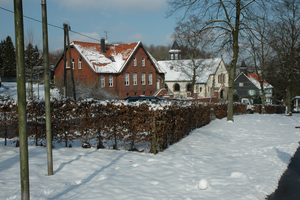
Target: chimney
[{"x": 103, "y": 45}]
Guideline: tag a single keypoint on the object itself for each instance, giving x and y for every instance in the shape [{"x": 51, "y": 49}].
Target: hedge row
[{"x": 113, "y": 125}]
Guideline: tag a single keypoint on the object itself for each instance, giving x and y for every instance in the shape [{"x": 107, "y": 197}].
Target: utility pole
[
  {"x": 65, "y": 60},
  {"x": 70, "y": 61},
  {"x": 23, "y": 139},
  {"x": 47, "y": 88}
]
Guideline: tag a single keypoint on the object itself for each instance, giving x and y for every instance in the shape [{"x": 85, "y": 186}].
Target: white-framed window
[
  {"x": 176, "y": 56},
  {"x": 134, "y": 61},
  {"x": 143, "y": 62},
  {"x": 150, "y": 78},
  {"x": 172, "y": 57},
  {"x": 102, "y": 81},
  {"x": 110, "y": 81},
  {"x": 241, "y": 84},
  {"x": 134, "y": 78},
  {"x": 79, "y": 63},
  {"x": 67, "y": 65},
  {"x": 251, "y": 92},
  {"x": 73, "y": 64},
  {"x": 143, "y": 77},
  {"x": 126, "y": 79}
]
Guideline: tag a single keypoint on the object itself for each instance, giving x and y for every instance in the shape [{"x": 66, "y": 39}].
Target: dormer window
[{"x": 134, "y": 61}]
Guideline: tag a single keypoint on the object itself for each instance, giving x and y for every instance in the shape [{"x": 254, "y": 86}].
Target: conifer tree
[
  {"x": 9, "y": 59},
  {"x": 2, "y": 44}
]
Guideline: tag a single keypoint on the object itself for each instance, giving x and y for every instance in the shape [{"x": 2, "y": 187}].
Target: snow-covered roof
[
  {"x": 253, "y": 77},
  {"x": 112, "y": 61},
  {"x": 181, "y": 70}
]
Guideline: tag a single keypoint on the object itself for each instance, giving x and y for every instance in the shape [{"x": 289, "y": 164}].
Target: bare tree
[
  {"x": 286, "y": 43},
  {"x": 260, "y": 51},
  {"x": 229, "y": 18},
  {"x": 193, "y": 42}
]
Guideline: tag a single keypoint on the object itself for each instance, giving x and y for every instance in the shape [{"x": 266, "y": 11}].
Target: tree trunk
[
  {"x": 235, "y": 36},
  {"x": 288, "y": 99}
]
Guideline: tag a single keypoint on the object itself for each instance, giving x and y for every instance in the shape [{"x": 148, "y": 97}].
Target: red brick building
[{"x": 121, "y": 69}]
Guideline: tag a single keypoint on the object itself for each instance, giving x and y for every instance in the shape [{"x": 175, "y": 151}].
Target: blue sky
[{"x": 125, "y": 20}]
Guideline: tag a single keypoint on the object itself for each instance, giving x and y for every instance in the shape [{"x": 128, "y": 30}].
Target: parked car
[
  {"x": 151, "y": 99},
  {"x": 250, "y": 106}
]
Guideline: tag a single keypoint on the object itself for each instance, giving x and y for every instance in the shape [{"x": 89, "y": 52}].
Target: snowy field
[
  {"x": 240, "y": 160},
  {"x": 222, "y": 160}
]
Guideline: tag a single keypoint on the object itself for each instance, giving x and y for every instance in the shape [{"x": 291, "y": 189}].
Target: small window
[
  {"x": 134, "y": 61},
  {"x": 134, "y": 79},
  {"x": 102, "y": 81},
  {"x": 126, "y": 79},
  {"x": 143, "y": 79},
  {"x": 241, "y": 84},
  {"x": 176, "y": 87},
  {"x": 176, "y": 56},
  {"x": 188, "y": 87},
  {"x": 110, "y": 81},
  {"x": 79, "y": 63},
  {"x": 143, "y": 62},
  {"x": 73, "y": 65},
  {"x": 68, "y": 67},
  {"x": 150, "y": 78},
  {"x": 200, "y": 89},
  {"x": 251, "y": 92}
]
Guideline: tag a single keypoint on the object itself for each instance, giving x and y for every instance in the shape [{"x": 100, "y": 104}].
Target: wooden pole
[
  {"x": 65, "y": 60},
  {"x": 71, "y": 67},
  {"x": 19, "y": 36},
  {"x": 47, "y": 88}
]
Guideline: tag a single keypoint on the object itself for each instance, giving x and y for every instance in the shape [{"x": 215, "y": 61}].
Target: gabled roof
[
  {"x": 115, "y": 58},
  {"x": 173, "y": 69},
  {"x": 253, "y": 78}
]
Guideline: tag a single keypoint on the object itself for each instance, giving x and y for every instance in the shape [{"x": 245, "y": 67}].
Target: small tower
[
  {"x": 175, "y": 52},
  {"x": 243, "y": 68}
]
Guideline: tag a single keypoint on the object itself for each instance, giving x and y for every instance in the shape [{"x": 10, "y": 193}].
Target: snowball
[{"x": 203, "y": 184}]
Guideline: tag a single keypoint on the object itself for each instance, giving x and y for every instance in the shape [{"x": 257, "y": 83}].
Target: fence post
[{"x": 154, "y": 135}]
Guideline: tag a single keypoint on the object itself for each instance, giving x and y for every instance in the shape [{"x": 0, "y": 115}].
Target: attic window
[
  {"x": 112, "y": 59},
  {"x": 241, "y": 84}
]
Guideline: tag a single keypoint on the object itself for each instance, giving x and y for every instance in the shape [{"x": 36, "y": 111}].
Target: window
[
  {"x": 102, "y": 81},
  {"x": 134, "y": 79},
  {"x": 172, "y": 57},
  {"x": 143, "y": 79},
  {"x": 143, "y": 62},
  {"x": 200, "y": 89},
  {"x": 176, "y": 87},
  {"x": 188, "y": 87},
  {"x": 251, "y": 92},
  {"x": 126, "y": 79},
  {"x": 150, "y": 78},
  {"x": 176, "y": 56},
  {"x": 67, "y": 65},
  {"x": 79, "y": 63},
  {"x": 110, "y": 81},
  {"x": 241, "y": 84},
  {"x": 73, "y": 65},
  {"x": 221, "y": 78},
  {"x": 134, "y": 61}
]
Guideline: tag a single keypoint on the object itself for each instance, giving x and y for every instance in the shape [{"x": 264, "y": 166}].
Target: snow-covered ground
[
  {"x": 222, "y": 160},
  {"x": 240, "y": 160}
]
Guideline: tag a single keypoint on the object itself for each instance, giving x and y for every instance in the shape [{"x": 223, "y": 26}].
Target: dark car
[{"x": 151, "y": 99}]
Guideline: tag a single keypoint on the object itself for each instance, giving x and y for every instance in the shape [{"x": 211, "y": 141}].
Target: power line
[{"x": 49, "y": 24}]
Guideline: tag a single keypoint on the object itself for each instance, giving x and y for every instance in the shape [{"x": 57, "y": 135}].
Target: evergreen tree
[
  {"x": 2, "y": 44},
  {"x": 9, "y": 59},
  {"x": 32, "y": 60}
]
